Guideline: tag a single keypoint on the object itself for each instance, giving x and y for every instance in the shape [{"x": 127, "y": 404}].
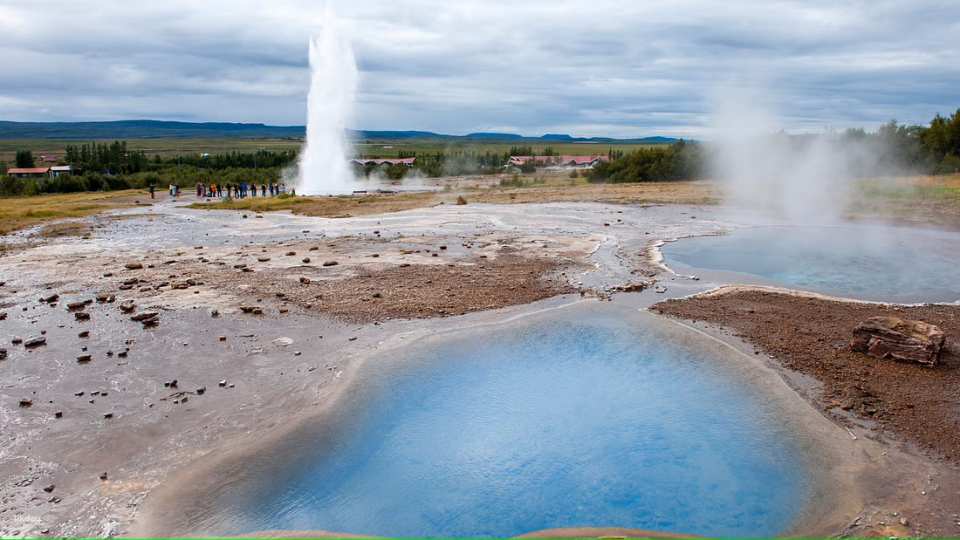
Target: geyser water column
[{"x": 324, "y": 168}]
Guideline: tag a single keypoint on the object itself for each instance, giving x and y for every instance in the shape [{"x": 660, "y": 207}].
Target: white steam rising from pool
[
  {"x": 324, "y": 167},
  {"x": 802, "y": 179}
]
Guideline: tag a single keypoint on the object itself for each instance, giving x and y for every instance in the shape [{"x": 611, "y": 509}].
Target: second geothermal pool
[
  {"x": 885, "y": 264},
  {"x": 586, "y": 419}
]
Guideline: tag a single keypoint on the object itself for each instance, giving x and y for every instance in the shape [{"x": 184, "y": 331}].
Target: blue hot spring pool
[
  {"x": 597, "y": 420},
  {"x": 886, "y": 264}
]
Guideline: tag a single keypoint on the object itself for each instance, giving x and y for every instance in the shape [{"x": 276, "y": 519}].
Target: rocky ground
[
  {"x": 148, "y": 338},
  {"x": 885, "y": 399},
  {"x": 155, "y": 334}
]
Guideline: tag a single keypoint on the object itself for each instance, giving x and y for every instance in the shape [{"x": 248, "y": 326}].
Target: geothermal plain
[{"x": 161, "y": 341}]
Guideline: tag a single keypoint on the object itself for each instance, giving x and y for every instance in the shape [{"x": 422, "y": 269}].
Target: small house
[{"x": 28, "y": 172}]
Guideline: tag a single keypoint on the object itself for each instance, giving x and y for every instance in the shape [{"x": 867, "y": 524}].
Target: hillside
[{"x": 155, "y": 129}]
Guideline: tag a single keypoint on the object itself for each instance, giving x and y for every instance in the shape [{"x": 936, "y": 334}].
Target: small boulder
[
  {"x": 133, "y": 265},
  {"x": 899, "y": 339}
]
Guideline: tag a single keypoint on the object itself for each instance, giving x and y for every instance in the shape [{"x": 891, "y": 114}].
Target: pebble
[
  {"x": 84, "y": 358},
  {"x": 34, "y": 342},
  {"x": 330, "y": 263}
]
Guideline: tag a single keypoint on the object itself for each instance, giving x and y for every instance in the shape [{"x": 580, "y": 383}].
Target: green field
[{"x": 379, "y": 148}]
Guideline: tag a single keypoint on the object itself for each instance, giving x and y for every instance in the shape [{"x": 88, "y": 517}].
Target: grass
[
  {"x": 22, "y": 212},
  {"x": 927, "y": 200},
  {"x": 331, "y": 207},
  {"x": 171, "y": 147}
]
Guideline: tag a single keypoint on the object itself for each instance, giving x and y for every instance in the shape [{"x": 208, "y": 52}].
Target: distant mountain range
[{"x": 154, "y": 129}]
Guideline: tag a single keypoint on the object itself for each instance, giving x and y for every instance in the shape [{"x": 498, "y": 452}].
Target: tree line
[{"x": 102, "y": 166}]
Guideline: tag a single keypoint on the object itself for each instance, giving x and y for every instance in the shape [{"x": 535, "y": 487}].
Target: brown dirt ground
[
  {"x": 363, "y": 292},
  {"x": 413, "y": 291},
  {"x": 811, "y": 335}
]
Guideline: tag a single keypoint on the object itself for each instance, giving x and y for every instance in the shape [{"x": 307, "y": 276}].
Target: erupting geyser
[{"x": 333, "y": 84}]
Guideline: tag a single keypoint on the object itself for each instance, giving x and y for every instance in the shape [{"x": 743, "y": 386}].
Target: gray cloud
[{"x": 594, "y": 67}]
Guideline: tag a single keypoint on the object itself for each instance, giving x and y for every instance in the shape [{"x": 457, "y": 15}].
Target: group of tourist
[{"x": 239, "y": 191}]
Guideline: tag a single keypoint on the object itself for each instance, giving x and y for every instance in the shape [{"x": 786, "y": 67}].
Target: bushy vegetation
[{"x": 679, "y": 161}]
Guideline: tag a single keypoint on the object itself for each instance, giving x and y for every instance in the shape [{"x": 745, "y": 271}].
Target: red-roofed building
[
  {"x": 386, "y": 161},
  {"x": 28, "y": 172},
  {"x": 558, "y": 162}
]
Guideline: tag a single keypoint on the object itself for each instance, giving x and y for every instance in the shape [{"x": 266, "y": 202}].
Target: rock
[
  {"x": 134, "y": 265},
  {"x": 305, "y": 280},
  {"x": 201, "y": 390},
  {"x": 330, "y": 263},
  {"x": 58, "y": 414},
  {"x": 108, "y": 415},
  {"x": 85, "y": 333},
  {"x": 144, "y": 316},
  {"x": 127, "y": 307},
  {"x": 84, "y": 358},
  {"x": 899, "y": 339},
  {"x": 313, "y": 248},
  {"x": 50, "y": 299},
  {"x": 103, "y": 476},
  {"x": 3, "y": 354},
  {"x": 222, "y": 383},
  {"x": 81, "y": 316},
  {"x": 76, "y": 306},
  {"x": 305, "y": 260},
  {"x": 3, "y": 315},
  {"x": 263, "y": 259},
  {"x": 291, "y": 253},
  {"x": 26, "y": 403},
  {"x": 170, "y": 384},
  {"x": 16, "y": 340},
  {"x": 50, "y": 488},
  {"x": 105, "y": 297},
  {"x": 461, "y": 201},
  {"x": 253, "y": 310},
  {"x": 35, "y": 342}
]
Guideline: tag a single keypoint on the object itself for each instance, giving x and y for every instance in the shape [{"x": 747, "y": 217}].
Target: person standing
[{"x": 152, "y": 189}]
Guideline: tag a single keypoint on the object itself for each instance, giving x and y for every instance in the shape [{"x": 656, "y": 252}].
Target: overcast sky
[{"x": 593, "y": 67}]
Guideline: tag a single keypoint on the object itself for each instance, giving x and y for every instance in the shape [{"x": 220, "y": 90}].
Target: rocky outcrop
[{"x": 899, "y": 339}]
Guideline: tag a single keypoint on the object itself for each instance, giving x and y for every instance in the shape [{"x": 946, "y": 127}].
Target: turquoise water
[
  {"x": 600, "y": 421},
  {"x": 869, "y": 263}
]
